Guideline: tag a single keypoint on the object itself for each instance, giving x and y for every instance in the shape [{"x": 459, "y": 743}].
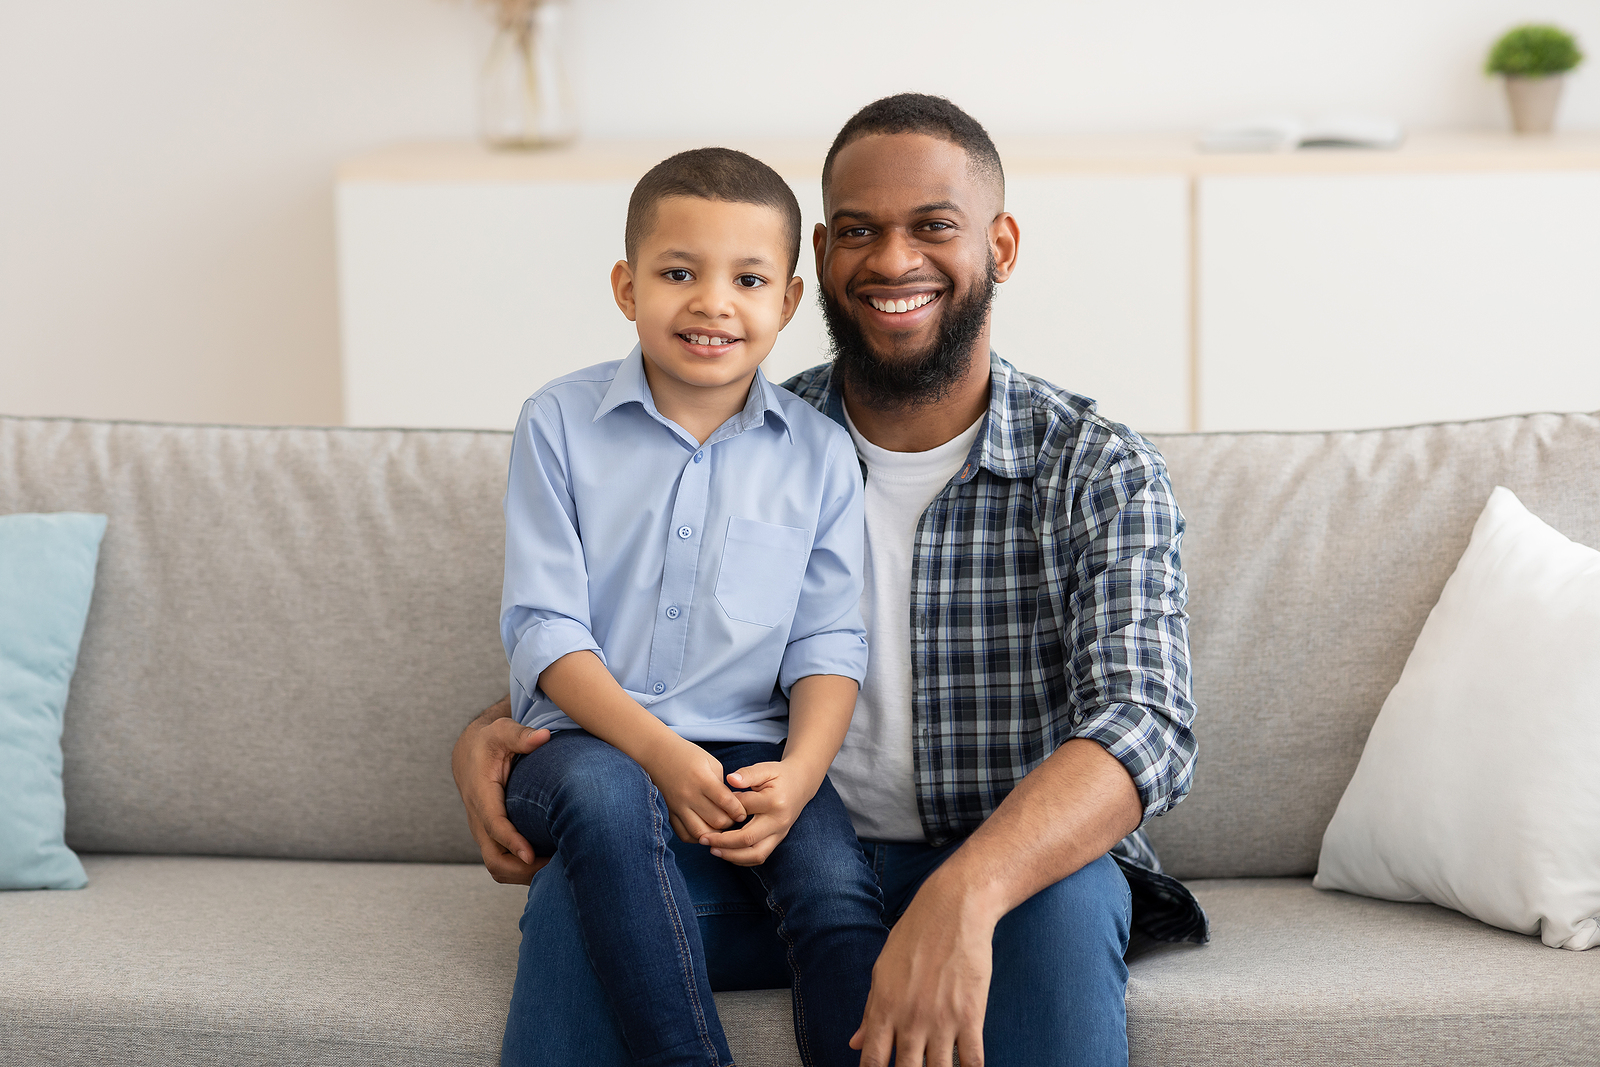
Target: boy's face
[{"x": 709, "y": 290}]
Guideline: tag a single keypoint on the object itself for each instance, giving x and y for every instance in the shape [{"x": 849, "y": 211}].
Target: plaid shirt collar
[{"x": 1005, "y": 447}]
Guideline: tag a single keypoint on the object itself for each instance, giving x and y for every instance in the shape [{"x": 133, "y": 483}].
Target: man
[{"x": 1027, "y": 700}]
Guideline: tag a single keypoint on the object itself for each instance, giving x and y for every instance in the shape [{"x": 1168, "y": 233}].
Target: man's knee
[{"x": 1082, "y": 920}]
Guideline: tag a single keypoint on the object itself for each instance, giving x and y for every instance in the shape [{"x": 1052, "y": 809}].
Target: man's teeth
[
  {"x": 706, "y": 339},
  {"x": 897, "y": 307}
]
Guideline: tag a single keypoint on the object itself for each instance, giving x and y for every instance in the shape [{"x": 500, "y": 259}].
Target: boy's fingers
[
  {"x": 757, "y": 829},
  {"x": 743, "y": 857},
  {"x": 753, "y": 777},
  {"x": 694, "y": 828},
  {"x": 731, "y": 804}
]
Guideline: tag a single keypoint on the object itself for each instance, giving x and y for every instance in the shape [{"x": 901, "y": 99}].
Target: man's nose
[{"x": 894, "y": 255}]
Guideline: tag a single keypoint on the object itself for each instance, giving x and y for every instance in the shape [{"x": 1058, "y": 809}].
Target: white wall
[{"x": 166, "y": 231}]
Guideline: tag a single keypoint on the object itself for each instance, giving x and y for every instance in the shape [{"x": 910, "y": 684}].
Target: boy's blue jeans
[
  {"x": 629, "y": 982},
  {"x": 1056, "y": 996}
]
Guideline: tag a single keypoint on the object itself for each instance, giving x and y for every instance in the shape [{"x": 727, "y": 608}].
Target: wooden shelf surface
[{"x": 600, "y": 160}]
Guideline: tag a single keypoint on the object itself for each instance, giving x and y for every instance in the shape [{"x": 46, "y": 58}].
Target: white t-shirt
[{"x": 873, "y": 771}]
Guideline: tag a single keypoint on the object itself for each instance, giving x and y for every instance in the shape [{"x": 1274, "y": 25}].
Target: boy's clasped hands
[{"x": 769, "y": 797}]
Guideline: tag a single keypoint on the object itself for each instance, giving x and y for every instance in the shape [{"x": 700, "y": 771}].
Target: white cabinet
[
  {"x": 1455, "y": 278},
  {"x": 468, "y": 280},
  {"x": 1351, "y": 300}
]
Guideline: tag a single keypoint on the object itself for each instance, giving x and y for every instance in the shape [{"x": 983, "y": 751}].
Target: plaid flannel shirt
[{"x": 1047, "y": 603}]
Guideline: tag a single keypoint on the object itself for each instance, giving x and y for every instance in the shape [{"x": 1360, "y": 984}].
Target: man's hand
[
  {"x": 690, "y": 780},
  {"x": 481, "y": 764},
  {"x": 775, "y": 794},
  {"x": 930, "y": 986}
]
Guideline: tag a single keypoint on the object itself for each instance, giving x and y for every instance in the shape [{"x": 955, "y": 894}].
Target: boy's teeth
[{"x": 898, "y": 307}]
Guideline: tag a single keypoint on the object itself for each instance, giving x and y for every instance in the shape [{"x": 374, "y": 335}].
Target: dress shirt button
[
  {"x": 673, "y": 612},
  {"x": 660, "y": 687},
  {"x": 684, "y": 531},
  {"x": 698, "y": 456}
]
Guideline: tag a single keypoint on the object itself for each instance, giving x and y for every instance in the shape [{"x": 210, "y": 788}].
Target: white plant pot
[{"x": 1533, "y": 102}]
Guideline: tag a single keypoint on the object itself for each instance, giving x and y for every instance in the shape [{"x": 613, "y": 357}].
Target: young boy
[{"x": 683, "y": 571}]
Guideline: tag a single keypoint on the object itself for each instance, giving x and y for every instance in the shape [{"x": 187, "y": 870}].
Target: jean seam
[
  {"x": 684, "y": 955},
  {"x": 802, "y": 1034}
]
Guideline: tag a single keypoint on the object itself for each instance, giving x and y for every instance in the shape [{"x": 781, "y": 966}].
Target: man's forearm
[
  {"x": 1066, "y": 813},
  {"x": 500, "y": 709}
]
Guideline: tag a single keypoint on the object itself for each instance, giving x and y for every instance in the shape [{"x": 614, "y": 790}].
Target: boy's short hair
[
  {"x": 711, "y": 174},
  {"x": 933, "y": 116}
]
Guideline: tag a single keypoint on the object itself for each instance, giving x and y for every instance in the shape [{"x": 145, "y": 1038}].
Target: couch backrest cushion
[
  {"x": 290, "y": 627},
  {"x": 288, "y": 631},
  {"x": 1314, "y": 559}
]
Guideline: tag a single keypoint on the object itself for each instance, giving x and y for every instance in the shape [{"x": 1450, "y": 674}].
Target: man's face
[{"x": 907, "y": 262}]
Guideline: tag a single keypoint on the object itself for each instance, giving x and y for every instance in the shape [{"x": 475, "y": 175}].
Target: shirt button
[
  {"x": 673, "y": 612},
  {"x": 684, "y": 531},
  {"x": 660, "y": 687},
  {"x": 698, "y": 456}
]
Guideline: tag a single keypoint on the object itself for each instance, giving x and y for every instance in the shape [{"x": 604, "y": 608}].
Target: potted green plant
[{"x": 1533, "y": 60}]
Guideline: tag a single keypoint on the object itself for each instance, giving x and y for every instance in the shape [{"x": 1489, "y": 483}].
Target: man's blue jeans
[
  {"x": 638, "y": 940},
  {"x": 1056, "y": 996}
]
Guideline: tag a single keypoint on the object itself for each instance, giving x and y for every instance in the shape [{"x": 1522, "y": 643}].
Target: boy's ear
[
  {"x": 622, "y": 289},
  {"x": 791, "y": 299}
]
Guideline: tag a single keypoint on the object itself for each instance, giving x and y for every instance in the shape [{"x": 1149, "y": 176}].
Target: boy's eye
[
  {"x": 750, "y": 281},
  {"x": 676, "y": 274}
]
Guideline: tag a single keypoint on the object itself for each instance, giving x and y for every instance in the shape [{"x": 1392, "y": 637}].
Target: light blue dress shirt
[{"x": 708, "y": 578}]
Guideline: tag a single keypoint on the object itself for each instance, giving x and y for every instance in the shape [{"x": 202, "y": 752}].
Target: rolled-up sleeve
[
  {"x": 544, "y": 604},
  {"x": 1129, "y": 658},
  {"x": 828, "y": 635}
]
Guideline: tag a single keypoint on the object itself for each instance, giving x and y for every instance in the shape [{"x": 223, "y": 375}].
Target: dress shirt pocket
[{"x": 763, "y": 565}]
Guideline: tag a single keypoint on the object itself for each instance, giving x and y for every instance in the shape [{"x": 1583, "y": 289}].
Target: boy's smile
[{"x": 709, "y": 291}]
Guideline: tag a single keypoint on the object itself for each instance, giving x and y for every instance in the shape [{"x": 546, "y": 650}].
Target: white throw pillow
[{"x": 1479, "y": 787}]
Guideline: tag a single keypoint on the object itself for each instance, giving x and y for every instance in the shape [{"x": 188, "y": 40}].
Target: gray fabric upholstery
[
  {"x": 166, "y": 960},
  {"x": 291, "y": 626},
  {"x": 1295, "y": 977},
  {"x": 1313, "y": 561},
  {"x": 289, "y": 629}
]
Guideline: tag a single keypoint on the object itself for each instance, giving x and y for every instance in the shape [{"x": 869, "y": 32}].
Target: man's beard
[{"x": 919, "y": 378}]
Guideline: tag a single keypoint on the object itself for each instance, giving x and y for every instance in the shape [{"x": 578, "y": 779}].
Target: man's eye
[
  {"x": 856, "y": 231},
  {"x": 937, "y": 226},
  {"x": 676, "y": 274},
  {"x": 750, "y": 281}
]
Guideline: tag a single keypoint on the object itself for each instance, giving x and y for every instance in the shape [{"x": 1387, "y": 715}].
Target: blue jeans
[
  {"x": 1055, "y": 998},
  {"x": 639, "y": 939}
]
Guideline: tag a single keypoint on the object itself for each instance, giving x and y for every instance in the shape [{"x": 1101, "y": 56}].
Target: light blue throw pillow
[{"x": 46, "y": 579}]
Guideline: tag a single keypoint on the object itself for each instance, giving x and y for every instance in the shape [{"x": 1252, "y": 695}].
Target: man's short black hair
[
  {"x": 711, "y": 174},
  {"x": 920, "y": 113}
]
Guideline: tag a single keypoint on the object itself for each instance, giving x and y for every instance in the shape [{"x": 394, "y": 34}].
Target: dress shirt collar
[
  {"x": 630, "y": 386},
  {"x": 1005, "y": 445}
]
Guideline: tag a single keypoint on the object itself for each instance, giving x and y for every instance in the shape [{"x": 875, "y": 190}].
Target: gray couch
[{"x": 290, "y": 627}]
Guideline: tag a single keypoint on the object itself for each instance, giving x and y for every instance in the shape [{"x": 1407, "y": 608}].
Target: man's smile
[{"x": 900, "y": 311}]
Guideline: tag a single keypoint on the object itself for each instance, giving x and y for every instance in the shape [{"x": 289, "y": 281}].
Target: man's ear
[
  {"x": 819, "y": 245},
  {"x": 1004, "y": 237},
  {"x": 791, "y": 299},
  {"x": 622, "y": 289}
]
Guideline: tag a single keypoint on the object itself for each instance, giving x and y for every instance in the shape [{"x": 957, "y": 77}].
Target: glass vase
[{"x": 525, "y": 98}]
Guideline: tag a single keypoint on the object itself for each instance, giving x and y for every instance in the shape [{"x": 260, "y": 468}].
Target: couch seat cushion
[
  {"x": 191, "y": 961},
  {"x": 1298, "y": 977}
]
